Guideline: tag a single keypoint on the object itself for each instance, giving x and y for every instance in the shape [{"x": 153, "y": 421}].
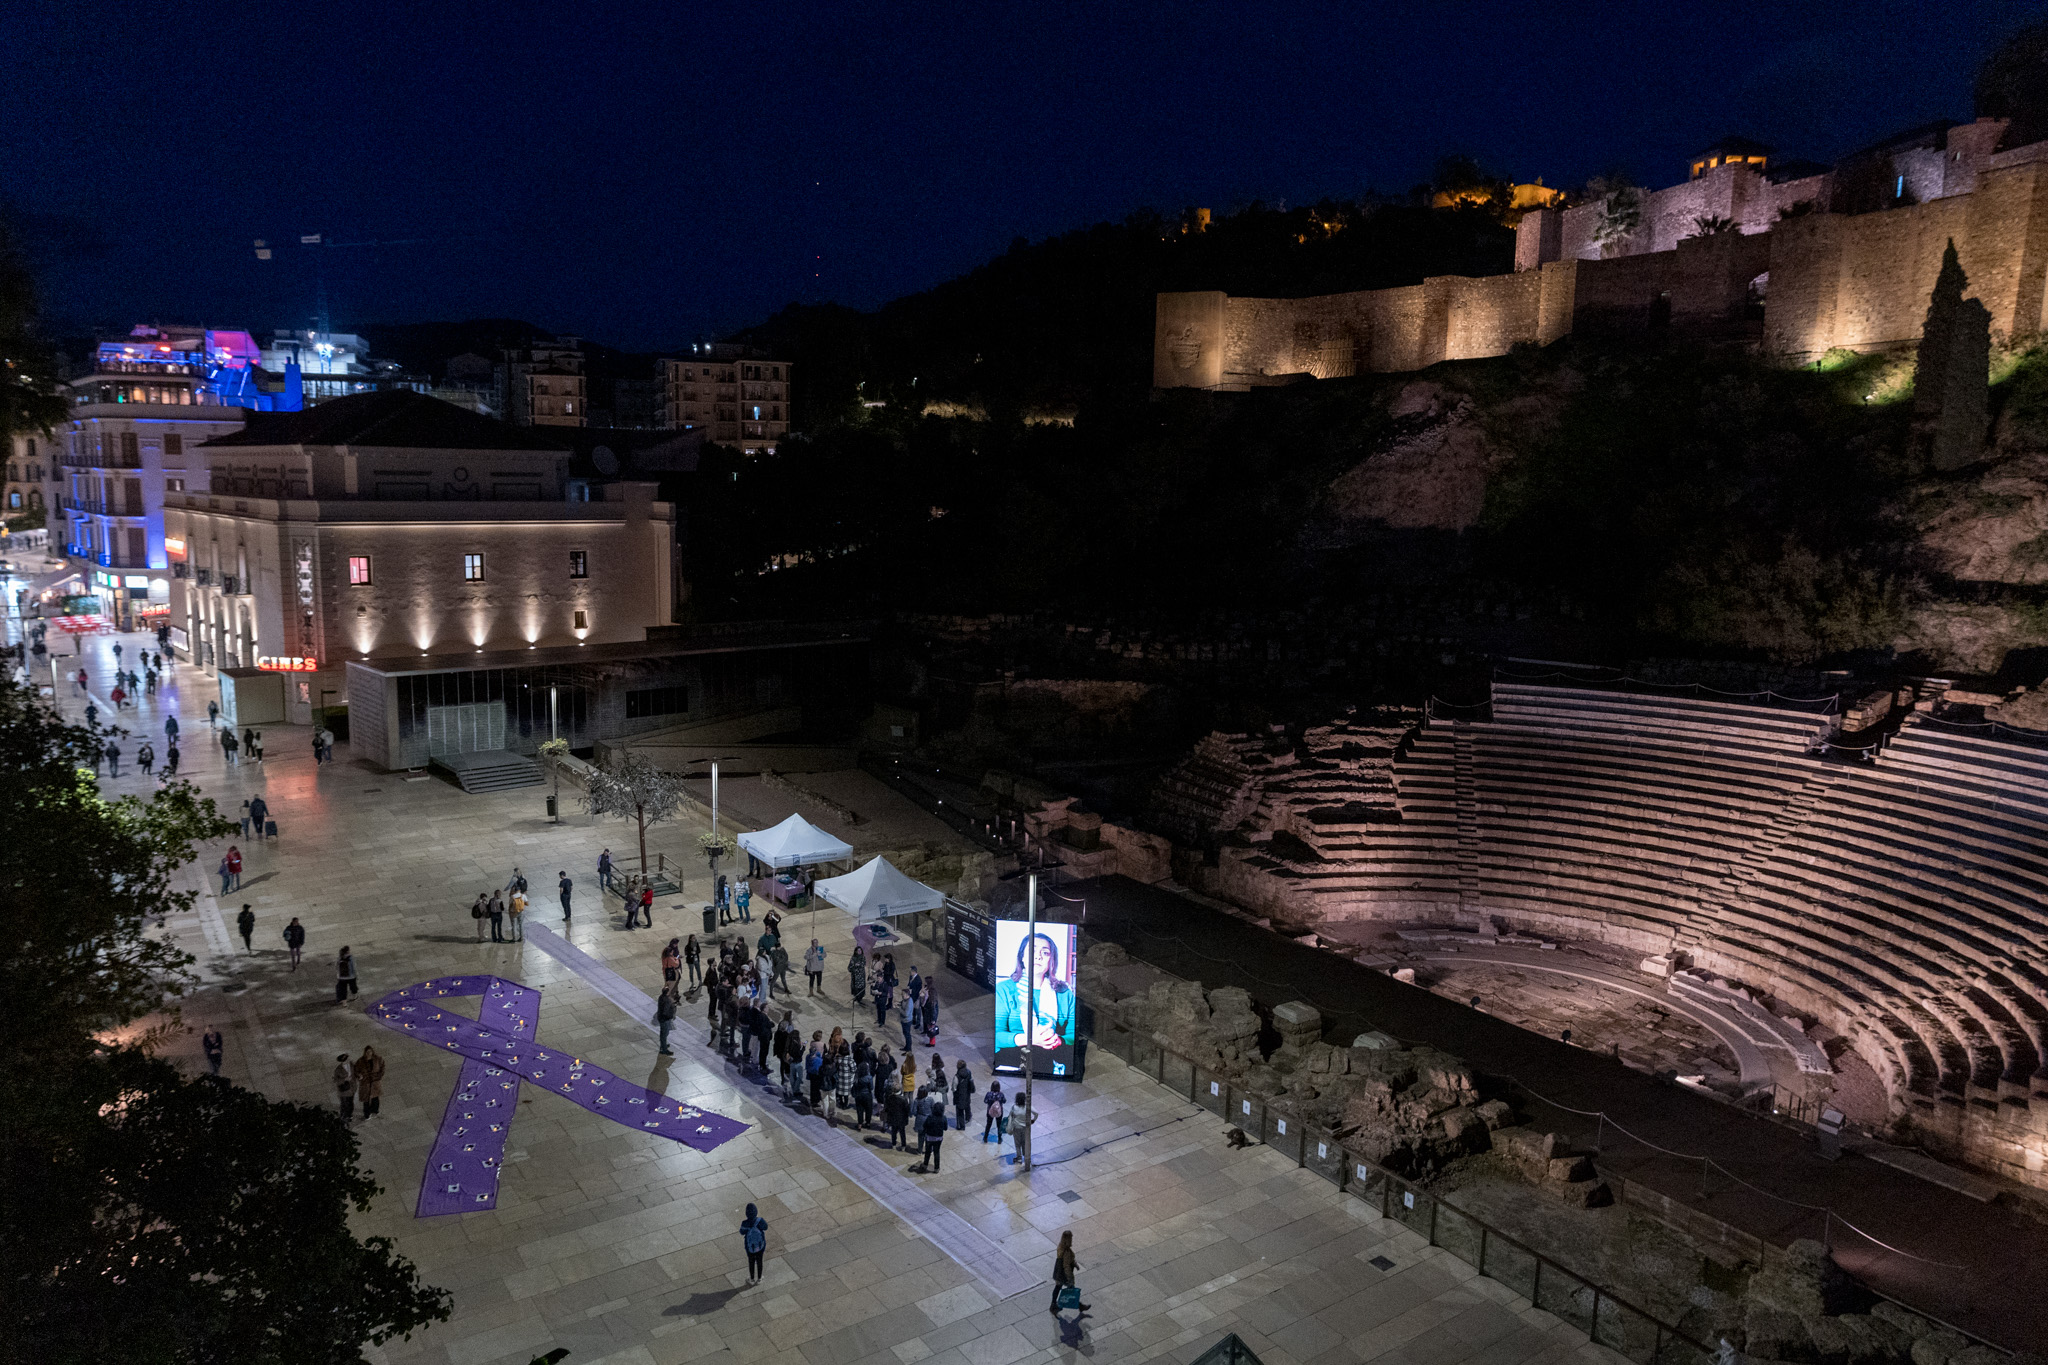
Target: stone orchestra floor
[{"x": 624, "y": 1248}]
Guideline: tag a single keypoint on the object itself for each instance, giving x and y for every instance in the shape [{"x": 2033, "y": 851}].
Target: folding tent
[
  {"x": 796, "y": 842},
  {"x": 878, "y": 891}
]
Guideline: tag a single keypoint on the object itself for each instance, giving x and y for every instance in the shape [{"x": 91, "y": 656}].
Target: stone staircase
[
  {"x": 1702, "y": 923},
  {"x": 494, "y": 770}
]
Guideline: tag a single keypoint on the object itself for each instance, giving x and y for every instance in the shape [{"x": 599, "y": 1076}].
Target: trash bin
[
  {"x": 551, "y": 808},
  {"x": 710, "y": 920}
]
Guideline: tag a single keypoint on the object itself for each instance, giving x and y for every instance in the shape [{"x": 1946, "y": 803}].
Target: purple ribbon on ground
[{"x": 499, "y": 1051}]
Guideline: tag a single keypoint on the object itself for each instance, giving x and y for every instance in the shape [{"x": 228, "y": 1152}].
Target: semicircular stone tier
[{"x": 1899, "y": 902}]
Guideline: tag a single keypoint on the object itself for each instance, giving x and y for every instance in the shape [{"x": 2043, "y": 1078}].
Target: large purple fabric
[{"x": 499, "y": 1052}]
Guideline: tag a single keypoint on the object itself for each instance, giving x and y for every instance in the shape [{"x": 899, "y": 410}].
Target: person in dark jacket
[
  {"x": 863, "y": 1096},
  {"x": 295, "y": 939},
  {"x": 665, "y": 1015},
  {"x": 246, "y": 922},
  {"x": 259, "y": 816},
  {"x": 963, "y": 1093},
  {"x": 896, "y": 1109},
  {"x": 764, "y": 1035},
  {"x": 857, "y": 974},
  {"x": 934, "y": 1137}
]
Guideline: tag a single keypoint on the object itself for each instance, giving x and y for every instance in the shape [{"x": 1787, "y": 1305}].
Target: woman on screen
[{"x": 1052, "y": 1011}]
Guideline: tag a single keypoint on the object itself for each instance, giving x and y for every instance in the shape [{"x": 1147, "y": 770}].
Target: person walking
[
  {"x": 477, "y": 910},
  {"x": 567, "y": 887},
  {"x": 907, "y": 1018},
  {"x": 496, "y": 910},
  {"x": 345, "y": 1087},
  {"x": 235, "y": 866},
  {"x": 230, "y": 747},
  {"x": 244, "y": 819},
  {"x": 996, "y": 1121},
  {"x": 294, "y": 938},
  {"x": 171, "y": 761},
  {"x": 778, "y": 962},
  {"x": 227, "y": 875},
  {"x": 1064, "y": 1269},
  {"x": 665, "y": 1015},
  {"x": 863, "y": 1096},
  {"x": 754, "y": 1237},
  {"x": 92, "y": 717},
  {"x": 369, "y": 1074},
  {"x": 113, "y": 759},
  {"x": 516, "y": 907},
  {"x": 604, "y": 870},
  {"x": 963, "y": 1092},
  {"x": 934, "y": 1134},
  {"x": 171, "y": 729},
  {"x": 211, "y": 1043},
  {"x": 344, "y": 976},
  {"x": 693, "y": 960},
  {"x": 256, "y": 752},
  {"x": 212, "y": 711},
  {"x": 814, "y": 968},
  {"x": 672, "y": 962},
  {"x": 857, "y": 976},
  {"x": 246, "y": 922},
  {"x": 259, "y": 815},
  {"x": 896, "y": 1110},
  {"x": 145, "y": 758}
]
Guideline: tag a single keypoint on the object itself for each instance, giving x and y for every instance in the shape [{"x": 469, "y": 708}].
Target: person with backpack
[
  {"x": 259, "y": 815},
  {"x": 344, "y": 976},
  {"x": 246, "y": 922},
  {"x": 934, "y": 1134},
  {"x": 665, "y": 1015},
  {"x": 963, "y": 1092},
  {"x": 295, "y": 940},
  {"x": 145, "y": 758},
  {"x": 997, "y": 1122},
  {"x": 516, "y": 908},
  {"x": 754, "y": 1237},
  {"x": 477, "y": 911},
  {"x": 672, "y": 962},
  {"x": 212, "y": 720}
]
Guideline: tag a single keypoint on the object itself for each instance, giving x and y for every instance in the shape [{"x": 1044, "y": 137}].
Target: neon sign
[{"x": 287, "y": 664}]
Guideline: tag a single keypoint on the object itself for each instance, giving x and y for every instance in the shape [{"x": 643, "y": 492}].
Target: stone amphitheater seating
[{"x": 1900, "y": 901}]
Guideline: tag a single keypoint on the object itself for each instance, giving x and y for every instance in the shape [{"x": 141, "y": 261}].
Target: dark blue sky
[{"x": 648, "y": 173}]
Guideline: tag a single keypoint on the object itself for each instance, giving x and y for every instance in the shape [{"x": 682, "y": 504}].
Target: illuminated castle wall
[{"x": 1819, "y": 279}]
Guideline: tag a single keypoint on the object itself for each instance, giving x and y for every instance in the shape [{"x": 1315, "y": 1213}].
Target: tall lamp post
[{"x": 1030, "y": 1005}]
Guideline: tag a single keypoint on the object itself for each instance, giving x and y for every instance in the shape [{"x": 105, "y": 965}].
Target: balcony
[
  {"x": 229, "y": 584},
  {"x": 101, "y": 461},
  {"x": 202, "y": 576}
]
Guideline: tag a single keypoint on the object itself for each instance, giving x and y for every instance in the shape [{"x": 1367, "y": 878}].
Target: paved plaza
[{"x": 623, "y": 1247}]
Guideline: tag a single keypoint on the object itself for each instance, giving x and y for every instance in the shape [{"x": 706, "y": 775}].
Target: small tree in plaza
[{"x": 635, "y": 789}]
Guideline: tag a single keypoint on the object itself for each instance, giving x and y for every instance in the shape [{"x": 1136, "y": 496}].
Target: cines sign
[{"x": 287, "y": 664}]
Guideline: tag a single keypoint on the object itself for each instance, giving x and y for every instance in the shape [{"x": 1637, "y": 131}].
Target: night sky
[{"x": 649, "y": 174}]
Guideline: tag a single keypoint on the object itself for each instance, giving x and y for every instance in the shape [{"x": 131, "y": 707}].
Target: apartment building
[
  {"x": 545, "y": 385},
  {"x": 735, "y": 396}
]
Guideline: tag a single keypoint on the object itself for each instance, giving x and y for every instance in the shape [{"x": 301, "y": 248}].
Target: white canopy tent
[
  {"x": 796, "y": 842},
  {"x": 878, "y": 891}
]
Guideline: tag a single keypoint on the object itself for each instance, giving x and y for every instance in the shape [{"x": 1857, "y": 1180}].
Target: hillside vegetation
[{"x": 1702, "y": 501}]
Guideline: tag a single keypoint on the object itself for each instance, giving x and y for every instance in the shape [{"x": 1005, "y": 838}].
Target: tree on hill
[
  {"x": 29, "y": 401},
  {"x": 150, "y": 1217}
]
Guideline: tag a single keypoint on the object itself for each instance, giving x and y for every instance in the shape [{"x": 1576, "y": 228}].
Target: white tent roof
[
  {"x": 796, "y": 842},
  {"x": 878, "y": 891}
]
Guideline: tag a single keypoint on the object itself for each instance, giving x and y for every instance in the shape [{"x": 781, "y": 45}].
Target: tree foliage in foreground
[{"x": 149, "y": 1217}]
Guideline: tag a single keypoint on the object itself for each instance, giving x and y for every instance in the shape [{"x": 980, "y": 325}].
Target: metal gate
[{"x": 474, "y": 728}]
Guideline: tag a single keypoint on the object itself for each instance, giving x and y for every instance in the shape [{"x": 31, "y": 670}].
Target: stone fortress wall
[
  {"x": 1821, "y": 279},
  {"x": 1897, "y": 905}
]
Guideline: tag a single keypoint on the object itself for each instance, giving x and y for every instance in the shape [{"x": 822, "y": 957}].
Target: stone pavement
[{"x": 625, "y": 1249}]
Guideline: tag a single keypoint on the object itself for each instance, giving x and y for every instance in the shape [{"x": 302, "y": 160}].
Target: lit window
[
  {"x": 472, "y": 568},
  {"x": 582, "y": 621},
  {"x": 359, "y": 570},
  {"x": 579, "y": 564}
]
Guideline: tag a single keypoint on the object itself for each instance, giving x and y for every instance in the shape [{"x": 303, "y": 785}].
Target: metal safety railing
[{"x": 1599, "y": 1312}]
